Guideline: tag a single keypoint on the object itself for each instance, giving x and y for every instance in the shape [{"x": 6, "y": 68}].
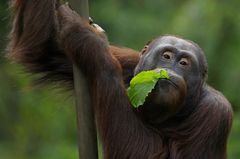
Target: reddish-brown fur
[{"x": 48, "y": 45}]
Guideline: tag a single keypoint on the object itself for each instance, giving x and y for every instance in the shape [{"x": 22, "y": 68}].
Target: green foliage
[{"x": 142, "y": 84}]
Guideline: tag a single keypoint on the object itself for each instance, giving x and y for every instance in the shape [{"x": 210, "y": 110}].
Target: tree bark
[{"x": 87, "y": 136}]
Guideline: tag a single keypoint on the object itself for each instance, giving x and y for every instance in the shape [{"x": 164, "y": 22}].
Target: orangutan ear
[{"x": 145, "y": 47}]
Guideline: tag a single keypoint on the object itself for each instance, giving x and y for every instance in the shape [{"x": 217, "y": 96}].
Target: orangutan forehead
[{"x": 176, "y": 42}]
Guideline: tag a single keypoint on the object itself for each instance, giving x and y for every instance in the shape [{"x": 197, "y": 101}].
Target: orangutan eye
[
  {"x": 184, "y": 62},
  {"x": 167, "y": 55}
]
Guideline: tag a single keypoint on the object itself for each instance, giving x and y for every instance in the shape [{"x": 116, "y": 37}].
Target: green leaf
[{"x": 142, "y": 84}]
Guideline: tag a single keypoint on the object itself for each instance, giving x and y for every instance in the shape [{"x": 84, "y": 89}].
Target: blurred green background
[{"x": 40, "y": 123}]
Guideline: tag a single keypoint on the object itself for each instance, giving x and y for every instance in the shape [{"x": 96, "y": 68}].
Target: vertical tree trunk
[{"x": 87, "y": 136}]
